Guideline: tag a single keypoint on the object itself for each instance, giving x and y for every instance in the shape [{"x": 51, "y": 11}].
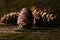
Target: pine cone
[
  {"x": 25, "y": 19},
  {"x": 10, "y": 18},
  {"x": 42, "y": 16}
]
